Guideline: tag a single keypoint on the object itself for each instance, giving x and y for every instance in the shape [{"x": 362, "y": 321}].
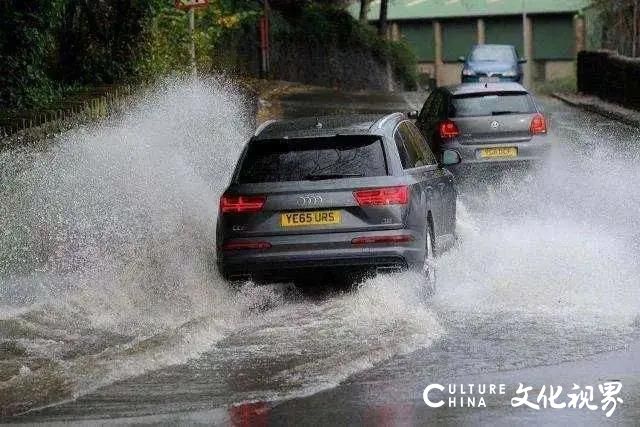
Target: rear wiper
[
  {"x": 320, "y": 177},
  {"x": 502, "y": 113}
]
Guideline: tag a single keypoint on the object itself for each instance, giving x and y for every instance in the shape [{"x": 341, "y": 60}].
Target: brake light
[
  {"x": 448, "y": 129},
  {"x": 239, "y": 246},
  {"x": 382, "y": 196},
  {"x": 241, "y": 204},
  {"x": 402, "y": 238},
  {"x": 538, "y": 125}
]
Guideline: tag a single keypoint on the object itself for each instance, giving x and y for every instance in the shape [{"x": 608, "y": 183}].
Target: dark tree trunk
[
  {"x": 382, "y": 22},
  {"x": 364, "y": 11}
]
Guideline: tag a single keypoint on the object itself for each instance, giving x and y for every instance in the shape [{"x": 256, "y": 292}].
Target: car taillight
[
  {"x": 402, "y": 238},
  {"x": 448, "y": 129},
  {"x": 239, "y": 246},
  {"x": 382, "y": 196},
  {"x": 241, "y": 204},
  {"x": 538, "y": 125}
]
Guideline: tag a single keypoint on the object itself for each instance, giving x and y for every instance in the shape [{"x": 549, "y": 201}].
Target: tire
[{"x": 428, "y": 270}]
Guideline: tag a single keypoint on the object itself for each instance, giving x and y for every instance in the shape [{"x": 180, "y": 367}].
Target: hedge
[{"x": 610, "y": 76}]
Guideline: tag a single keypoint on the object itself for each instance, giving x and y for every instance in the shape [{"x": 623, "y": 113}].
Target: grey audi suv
[{"x": 343, "y": 194}]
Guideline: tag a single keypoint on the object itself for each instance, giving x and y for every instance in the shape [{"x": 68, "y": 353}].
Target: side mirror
[
  {"x": 450, "y": 158},
  {"x": 462, "y": 59},
  {"x": 413, "y": 114},
  {"x": 522, "y": 61}
]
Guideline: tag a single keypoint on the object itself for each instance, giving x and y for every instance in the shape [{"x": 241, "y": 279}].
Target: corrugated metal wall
[
  {"x": 457, "y": 37},
  {"x": 420, "y": 37},
  {"x": 505, "y": 30},
  {"x": 553, "y": 36}
]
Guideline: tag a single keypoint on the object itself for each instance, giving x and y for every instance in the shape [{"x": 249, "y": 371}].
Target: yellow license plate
[
  {"x": 301, "y": 219},
  {"x": 499, "y": 152}
]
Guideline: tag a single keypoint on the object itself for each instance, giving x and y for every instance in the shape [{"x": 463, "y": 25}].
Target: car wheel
[{"x": 429, "y": 265}]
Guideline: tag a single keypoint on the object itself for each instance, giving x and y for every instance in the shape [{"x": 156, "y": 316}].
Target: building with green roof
[{"x": 440, "y": 31}]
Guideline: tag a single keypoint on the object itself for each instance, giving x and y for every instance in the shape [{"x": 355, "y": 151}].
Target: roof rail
[
  {"x": 386, "y": 118},
  {"x": 263, "y": 126}
]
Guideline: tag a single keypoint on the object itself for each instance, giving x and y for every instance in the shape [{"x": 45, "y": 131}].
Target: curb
[{"x": 600, "y": 109}]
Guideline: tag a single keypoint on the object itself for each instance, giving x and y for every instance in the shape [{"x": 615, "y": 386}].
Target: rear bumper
[
  {"x": 309, "y": 255},
  {"x": 476, "y": 79}
]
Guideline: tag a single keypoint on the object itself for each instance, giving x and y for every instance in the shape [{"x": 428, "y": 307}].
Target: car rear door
[
  {"x": 314, "y": 185},
  {"x": 433, "y": 181},
  {"x": 430, "y": 118},
  {"x": 493, "y": 118}
]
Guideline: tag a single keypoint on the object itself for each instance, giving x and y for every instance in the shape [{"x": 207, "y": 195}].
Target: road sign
[{"x": 191, "y": 4}]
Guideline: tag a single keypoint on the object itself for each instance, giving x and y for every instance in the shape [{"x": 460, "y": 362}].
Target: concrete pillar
[
  {"x": 527, "y": 31},
  {"x": 581, "y": 33},
  {"x": 482, "y": 32},
  {"x": 438, "y": 61},
  {"x": 395, "y": 32}
]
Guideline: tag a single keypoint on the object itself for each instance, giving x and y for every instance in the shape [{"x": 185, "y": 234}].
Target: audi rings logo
[{"x": 309, "y": 200}]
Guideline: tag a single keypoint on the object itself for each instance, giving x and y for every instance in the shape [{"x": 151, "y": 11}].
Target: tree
[
  {"x": 28, "y": 47},
  {"x": 620, "y": 25},
  {"x": 364, "y": 10},
  {"x": 382, "y": 21}
]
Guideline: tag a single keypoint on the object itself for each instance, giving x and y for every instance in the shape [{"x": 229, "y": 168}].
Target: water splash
[
  {"x": 108, "y": 236},
  {"x": 560, "y": 242}
]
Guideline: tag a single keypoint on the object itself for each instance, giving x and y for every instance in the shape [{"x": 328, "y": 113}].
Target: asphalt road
[{"x": 542, "y": 289}]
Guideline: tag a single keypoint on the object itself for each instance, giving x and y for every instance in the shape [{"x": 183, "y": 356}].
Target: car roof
[
  {"x": 494, "y": 45},
  {"x": 473, "y": 88},
  {"x": 325, "y": 126}
]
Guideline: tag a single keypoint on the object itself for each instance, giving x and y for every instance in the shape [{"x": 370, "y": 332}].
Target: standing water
[
  {"x": 107, "y": 239},
  {"x": 107, "y": 256}
]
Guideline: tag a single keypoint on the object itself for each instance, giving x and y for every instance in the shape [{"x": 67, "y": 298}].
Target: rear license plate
[
  {"x": 489, "y": 79},
  {"x": 489, "y": 153},
  {"x": 300, "y": 219}
]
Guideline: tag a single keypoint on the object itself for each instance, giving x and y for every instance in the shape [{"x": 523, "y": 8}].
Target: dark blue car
[{"x": 492, "y": 63}]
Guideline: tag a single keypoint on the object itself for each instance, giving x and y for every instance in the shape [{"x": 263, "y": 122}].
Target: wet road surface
[{"x": 541, "y": 289}]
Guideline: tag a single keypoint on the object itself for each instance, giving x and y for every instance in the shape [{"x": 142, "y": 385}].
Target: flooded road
[{"x": 110, "y": 307}]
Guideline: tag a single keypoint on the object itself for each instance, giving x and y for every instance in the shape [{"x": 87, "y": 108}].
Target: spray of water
[
  {"x": 106, "y": 260},
  {"x": 560, "y": 242},
  {"x": 107, "y": 236}
]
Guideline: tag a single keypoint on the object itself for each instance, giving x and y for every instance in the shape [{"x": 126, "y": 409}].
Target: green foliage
[
  {"x": 50, "y": 46},
  {"x": 166, "y": 38},
  {"x": 562, "y": 85},
  {"x": 27, "y": 48},
  {"x": 318, "y": 25},
  {"x": 618, "y": 30},
  {"x": 100, "y": 40}
]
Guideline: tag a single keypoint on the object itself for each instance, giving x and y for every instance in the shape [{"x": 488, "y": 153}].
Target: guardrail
[
  {"x": 86, "y": 104},
  {"x": 610, "y": 76}
]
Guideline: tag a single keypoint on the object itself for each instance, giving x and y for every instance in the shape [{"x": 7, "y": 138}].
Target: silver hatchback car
[
  {"x": 343, "y": 194},
  {"x": 485, "y": 123}
]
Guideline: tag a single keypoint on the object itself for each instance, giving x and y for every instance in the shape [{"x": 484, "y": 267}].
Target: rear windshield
[
  {"x": 492, "y": 104},
  {"x": 493, "y": 54},
  {"x": 313, "y": 159}
]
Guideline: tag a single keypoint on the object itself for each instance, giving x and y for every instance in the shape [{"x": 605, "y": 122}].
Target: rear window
[
  {"x": 491, "y": 104},
  {"x": 493, "y": 54},
  {"x": 313, "y": 159}
]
